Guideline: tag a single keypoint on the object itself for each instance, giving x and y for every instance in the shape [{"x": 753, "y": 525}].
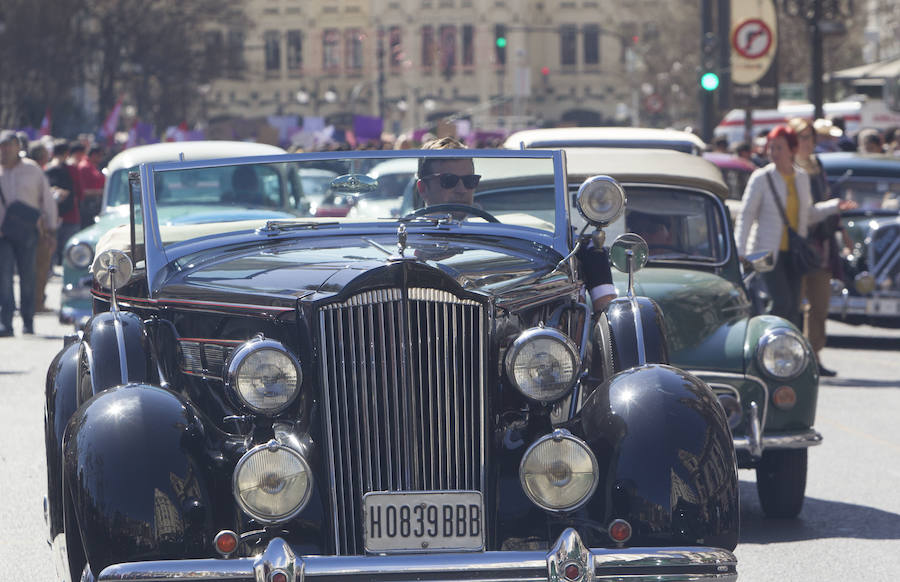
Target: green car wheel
[{"x": 781, "y": 482}]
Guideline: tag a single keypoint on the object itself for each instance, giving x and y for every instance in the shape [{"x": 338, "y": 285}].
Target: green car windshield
[
  {"x": 221, "y": 199},
  {"x": 677, "y": 224}
]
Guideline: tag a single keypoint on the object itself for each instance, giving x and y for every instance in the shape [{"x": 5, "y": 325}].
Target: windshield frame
[{"x": 158, "y": 257}]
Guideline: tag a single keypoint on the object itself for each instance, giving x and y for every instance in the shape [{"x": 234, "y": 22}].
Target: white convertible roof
[
  {"x": 192, "y": 150},
  {"x": 642, "y": 137}
]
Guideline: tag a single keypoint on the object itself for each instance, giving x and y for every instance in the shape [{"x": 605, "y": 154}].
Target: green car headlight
[
  {"x": 264, "y": 376},
  {"x": 543, "y": 363},
  {"x": 559, "y": 472},
  {"x": 783, "y": 353},
  {"x": 272, "y": 483},
  {"x": 80, "y": 255}
]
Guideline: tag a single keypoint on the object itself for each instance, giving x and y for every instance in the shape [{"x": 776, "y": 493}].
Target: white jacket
[{"x": 759, "y": 226}]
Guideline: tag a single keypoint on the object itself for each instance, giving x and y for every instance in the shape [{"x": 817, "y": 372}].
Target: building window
[
  {"x": 294, "y": 51},
  {"x": 427, "y": 47},
  {"x": 234, "y": 65},
  {"x": 213, "y": 51},
  {"x": 567, "y": 42},
  {"x": 272, "y": 43},
  {"x": 448, "y": 48},
  {"x": 468, "y": 45},
  {"x": 395, "y": 40},
  {"x": 354, "y": 44},
  {"x": 591, "y": 44},
  {"x": 331, "y": 48}
]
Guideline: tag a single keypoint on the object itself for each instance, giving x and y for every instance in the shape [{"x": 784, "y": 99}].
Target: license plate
[
  {"x": 423, "y": 521},
  {"x": 886, "y": 307}
]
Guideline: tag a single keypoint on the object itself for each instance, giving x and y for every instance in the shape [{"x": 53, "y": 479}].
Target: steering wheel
[{"x": 473, "y": 210}]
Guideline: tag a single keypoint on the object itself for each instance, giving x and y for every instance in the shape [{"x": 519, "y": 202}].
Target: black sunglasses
[{"x": 448, "y": 181}]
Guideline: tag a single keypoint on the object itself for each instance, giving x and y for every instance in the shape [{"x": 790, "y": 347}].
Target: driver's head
[
  {"x": 446, "y": 180},
  {"x": 653, "y": 228}
]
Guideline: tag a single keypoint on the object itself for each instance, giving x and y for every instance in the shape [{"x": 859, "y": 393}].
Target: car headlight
[
  {"x": 543, "y": 364},
  {"x": 864, "y": 283},
  {"x": 264, "y": 376},
  {"x": 80, "y": 255},
  {"x": 272, "y": 483},
  {"x": 782, "y": 353},
  {"x": 601, "y": 200},
  {"x": 559, "y": 472}
]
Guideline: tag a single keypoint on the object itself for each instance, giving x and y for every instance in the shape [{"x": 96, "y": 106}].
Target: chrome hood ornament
[{"x": 401, "y": 240}]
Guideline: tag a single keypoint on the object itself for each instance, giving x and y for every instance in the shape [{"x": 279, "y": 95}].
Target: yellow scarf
[{"x": 791, "y": 208}]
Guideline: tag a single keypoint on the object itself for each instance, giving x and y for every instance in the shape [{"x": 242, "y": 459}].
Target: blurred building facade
[{"x": 413, "y": 62}]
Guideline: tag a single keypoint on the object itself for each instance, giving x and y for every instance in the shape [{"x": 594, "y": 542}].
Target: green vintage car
[
  {"x": 760, "y": 366},
  {"x": 180, "y": 206}
]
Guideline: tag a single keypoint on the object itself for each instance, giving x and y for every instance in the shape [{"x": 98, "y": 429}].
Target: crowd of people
[{"x": 63, "y": 182}]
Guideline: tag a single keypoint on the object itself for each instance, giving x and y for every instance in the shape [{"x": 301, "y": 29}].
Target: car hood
[
  {"x": 317, "y": 268},
  {"x": 706, "y": 315},
  {"x": 175, "y": 214}
]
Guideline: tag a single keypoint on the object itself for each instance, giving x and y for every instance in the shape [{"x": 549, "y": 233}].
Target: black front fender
[
  {"x": 139, "y": 474},
  {"x": 631, "y": 332},
  {"x": 115, "y": 351},
  {"x": 672, "y": 471}
]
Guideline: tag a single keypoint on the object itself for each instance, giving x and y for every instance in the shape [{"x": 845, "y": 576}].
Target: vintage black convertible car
[{"x": 425, "y": 398}]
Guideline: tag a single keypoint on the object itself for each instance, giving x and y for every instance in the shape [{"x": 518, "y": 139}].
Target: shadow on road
[
  {"x": 818, "y": 519},
  {"x": 857, "y": 342}
]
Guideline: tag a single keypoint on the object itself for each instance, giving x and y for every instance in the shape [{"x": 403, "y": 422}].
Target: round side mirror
[
  {"x": 112, "y": 269},
  {"x": 601, "y": 200},
  {"x": 629, "y": 245}
]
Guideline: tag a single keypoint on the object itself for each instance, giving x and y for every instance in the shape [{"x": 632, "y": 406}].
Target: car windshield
[
  {"x": 677, "y": 224},
  {"x": 243, "y": 196},
  {"x": 870, "y": 193}
]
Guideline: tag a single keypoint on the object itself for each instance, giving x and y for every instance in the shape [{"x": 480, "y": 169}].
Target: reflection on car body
[{"x": 363, "y": 397}]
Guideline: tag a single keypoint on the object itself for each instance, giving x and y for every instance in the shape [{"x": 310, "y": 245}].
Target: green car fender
[{"x": 802, "y": 414}]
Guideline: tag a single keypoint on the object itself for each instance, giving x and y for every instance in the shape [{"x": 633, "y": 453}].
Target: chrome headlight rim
[
  {"x": 557, "y": 435},
  {"x": 527, "y": 337},
  {"x": 772, "y": 335},
  {"x": 239, "y": 357},
  {"x": 80, "y": 246},
  {"x": 301, "y": 505},
  {"x": 600, "y": 186}
]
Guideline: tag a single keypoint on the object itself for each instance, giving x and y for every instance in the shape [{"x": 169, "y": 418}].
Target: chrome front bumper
[
  {"x": 871, "y": 306},
  {"x": 594, "y": 565},
  {"x": 755, "y": 443}
]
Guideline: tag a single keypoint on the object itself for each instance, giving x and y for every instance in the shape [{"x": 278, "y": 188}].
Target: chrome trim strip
[
  {"x": 638, "y": 331},
  {"x": 805, "y": 439},
  {"x": 120, "y": 340},
  {"x": 638, "y": 564}
]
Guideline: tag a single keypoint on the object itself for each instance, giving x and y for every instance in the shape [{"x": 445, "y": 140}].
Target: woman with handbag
[{"x": 776, "y": 213}]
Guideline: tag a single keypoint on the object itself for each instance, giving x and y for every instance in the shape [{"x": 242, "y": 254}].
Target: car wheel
[{"x": 781, "y": 482}]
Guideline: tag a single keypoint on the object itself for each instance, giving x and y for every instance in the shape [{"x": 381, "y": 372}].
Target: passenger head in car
[
  {"x": 245, "y": 186},
  {"x": 870, "y": 141},
  {"x": 446, "y": 180},
  {"x": 653, "y": 228}
]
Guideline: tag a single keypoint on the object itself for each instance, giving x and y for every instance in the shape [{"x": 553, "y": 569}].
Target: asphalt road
[{"x": 849, "y": 528}]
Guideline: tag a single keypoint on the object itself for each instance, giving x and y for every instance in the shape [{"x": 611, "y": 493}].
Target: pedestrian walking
[
  {"x": 61, "y": 177},
  {"x": 92, "y": 181},
  {"x": 26, "y": 199},
  {"x": 817, "y": 282},
  {"x": 46, "y": 238},
  {"x": 780, "y": 186}
]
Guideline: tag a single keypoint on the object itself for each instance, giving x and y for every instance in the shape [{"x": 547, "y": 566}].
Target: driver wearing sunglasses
[{"x": 447, "y": 180}]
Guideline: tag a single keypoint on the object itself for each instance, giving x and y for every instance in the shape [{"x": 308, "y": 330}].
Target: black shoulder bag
[
  {"x": 20, "y": 222},
  {"x": 802, "y": 256}
]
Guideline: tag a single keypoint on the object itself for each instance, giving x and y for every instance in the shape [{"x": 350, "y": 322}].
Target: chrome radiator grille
[
  {"x": 404, "y": 384},
  {"x": 885, "y": 260}
]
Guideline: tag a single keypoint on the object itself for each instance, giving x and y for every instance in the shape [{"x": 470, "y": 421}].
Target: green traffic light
[
  {"x": 709, "y": 81},
  {"x": 501, "y": 42}
]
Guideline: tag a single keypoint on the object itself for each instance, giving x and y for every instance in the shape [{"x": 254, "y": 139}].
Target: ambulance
[{"x": 857, "y": 115}]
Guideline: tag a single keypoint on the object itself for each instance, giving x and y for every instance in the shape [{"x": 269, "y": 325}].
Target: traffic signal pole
[{"x": 707, "y": 98}]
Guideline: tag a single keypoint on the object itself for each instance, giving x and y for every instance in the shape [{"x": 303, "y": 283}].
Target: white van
[{"x": 857, "y": 115}]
